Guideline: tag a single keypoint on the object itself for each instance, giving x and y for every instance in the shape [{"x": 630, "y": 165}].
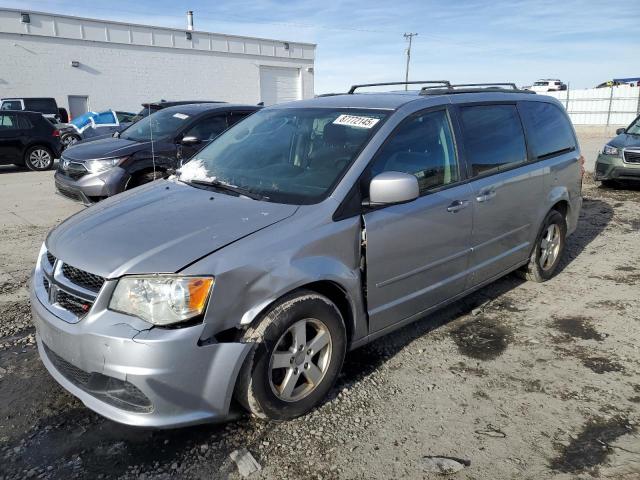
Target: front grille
[
  {"x": 76, "y": 305},
  {"x": 67, "y": 192},
  {"x": 631, "y": 157},
  {"x": 75, "y": 171},
  {"x": 83, "y": 279},
  {"x": 119, "y": 393},
  {"x": 51, "y": 259},
  {"x": 45, "y": 284}
]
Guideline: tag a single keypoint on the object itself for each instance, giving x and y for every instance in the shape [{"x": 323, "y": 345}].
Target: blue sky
[{"x": 582, "y": 42}]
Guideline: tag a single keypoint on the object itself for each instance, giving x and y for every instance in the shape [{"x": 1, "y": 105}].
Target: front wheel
[
  {"x": 38, "y": 158},
  {"x": 300, "y": 345},
  {"x": 548, "y": 249}
]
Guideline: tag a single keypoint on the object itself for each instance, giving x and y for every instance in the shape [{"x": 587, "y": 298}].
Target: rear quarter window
[{"x": 548, "y": 129}]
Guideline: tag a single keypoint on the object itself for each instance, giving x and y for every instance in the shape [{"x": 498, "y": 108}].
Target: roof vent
[{"x": 25, "y": 18}]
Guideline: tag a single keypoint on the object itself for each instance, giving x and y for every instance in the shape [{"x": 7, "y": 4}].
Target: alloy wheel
[
  {"x": 40, "y": 158},
  {"x": 300, "y": 360},
  {"x": 549, "y": 246}
]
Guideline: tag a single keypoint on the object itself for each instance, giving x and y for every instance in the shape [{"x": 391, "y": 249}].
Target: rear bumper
[
  {"x": 614, "y": 168},
  {"x": 91, "y": 187},
  {"x": 152, "y": 378}
]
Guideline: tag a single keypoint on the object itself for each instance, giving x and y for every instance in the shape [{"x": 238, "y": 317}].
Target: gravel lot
[{"x": 521, "y": 380}]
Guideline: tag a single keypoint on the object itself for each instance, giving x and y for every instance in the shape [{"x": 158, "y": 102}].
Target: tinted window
[
  {"x": 8, "y": 121},
  {"x": 493, "y": 138},
  {"x": 208, "y": 128},
  {"x": 235, "y": 117},
  {"x": 11, "y": 105},
  {"x": 422, "y": 146},
  {"x": 548, "y": 129},
  {"x": 159, "y": 125},
  {"x": 124, "y": 117},
  {"x": 23, "y": 122},
  {"x": 43, "y": 105}
]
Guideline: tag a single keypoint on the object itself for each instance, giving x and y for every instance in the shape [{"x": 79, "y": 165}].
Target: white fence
[{"x": 601, "y": 106}]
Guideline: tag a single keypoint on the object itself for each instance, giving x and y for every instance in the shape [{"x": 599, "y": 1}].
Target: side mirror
[
  {"x": 116, "y": 135},
  {"x": 392, "y": 187},
  {"x": 620, "y": 130},
  {"x": 190, "y": 140}
]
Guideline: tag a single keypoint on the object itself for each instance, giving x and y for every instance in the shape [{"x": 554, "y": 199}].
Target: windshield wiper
[{"x": 229, "y": 188}]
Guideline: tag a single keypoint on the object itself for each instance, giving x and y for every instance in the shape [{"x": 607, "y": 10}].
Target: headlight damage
[{"x": 162, "y": 299}]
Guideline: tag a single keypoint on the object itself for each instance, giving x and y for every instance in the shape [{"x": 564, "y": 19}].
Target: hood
[
  {"x": 158, "y": 228},
  {"x": 625, "y": 140},
  {"x": 103, "y": 148}
]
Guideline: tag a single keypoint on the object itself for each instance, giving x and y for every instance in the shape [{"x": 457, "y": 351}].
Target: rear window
[
  {"x": 11, "y": 105},
  {"x": 548, "y": 129},
  {"x": 493, "y": 138},
  {"x": 42, "y": 105}
]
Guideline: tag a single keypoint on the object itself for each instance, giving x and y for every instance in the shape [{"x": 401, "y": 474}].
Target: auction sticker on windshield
[
  {"x": 356, "y": 121},
  {"x": 181, "y": 116}
]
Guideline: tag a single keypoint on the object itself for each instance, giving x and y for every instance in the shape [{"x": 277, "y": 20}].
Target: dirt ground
[{"x": 521, "y": 380}]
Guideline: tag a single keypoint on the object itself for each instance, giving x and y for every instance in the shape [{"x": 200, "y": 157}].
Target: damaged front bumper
[{"x": 144, "y": 377}]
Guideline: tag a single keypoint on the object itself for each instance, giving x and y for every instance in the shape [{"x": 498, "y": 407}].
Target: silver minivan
[{"x": 302, "y": 232}]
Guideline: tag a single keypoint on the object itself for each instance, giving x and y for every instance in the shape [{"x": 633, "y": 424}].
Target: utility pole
[{"x": 410, "y": 37}]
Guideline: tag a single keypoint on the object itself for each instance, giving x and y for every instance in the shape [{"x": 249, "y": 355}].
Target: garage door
[{"x": 279, "y": 85}]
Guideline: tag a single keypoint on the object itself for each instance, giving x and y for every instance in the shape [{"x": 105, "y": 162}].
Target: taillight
[
  {"x": 56, "y": 133},
  {"x": 582, "y": 170}
]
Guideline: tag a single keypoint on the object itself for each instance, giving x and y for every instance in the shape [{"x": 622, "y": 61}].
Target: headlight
[
  {"x": 102, "y": 165},
  {"x": 610, "y": 150},
  {"x": 162, "y": 299}
]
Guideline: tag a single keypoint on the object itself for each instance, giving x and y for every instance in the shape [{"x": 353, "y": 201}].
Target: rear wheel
[
  {"x": 69, "y": 139},
  {"x": 300, "y": 347},
  {"x": 547, "y": 252},
  {"x": 38, "y": 158}
]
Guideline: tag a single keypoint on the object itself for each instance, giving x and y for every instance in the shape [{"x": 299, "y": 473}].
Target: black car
[
  {"x": 28, "y": 139},
  {"x": 152, "y": 107},
  {"x": 149, "y": 149}
]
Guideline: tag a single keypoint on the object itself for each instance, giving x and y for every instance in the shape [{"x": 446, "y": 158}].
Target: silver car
[{"x": 305, "y": 231}]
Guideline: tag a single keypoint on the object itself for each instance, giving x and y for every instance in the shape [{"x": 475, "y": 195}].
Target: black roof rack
[
  {"x": 440, "y": 83},
  {"x": 473, "y": 88}
]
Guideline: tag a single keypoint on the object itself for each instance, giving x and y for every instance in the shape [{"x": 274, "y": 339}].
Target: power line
[{"x": 406, "y": 75}]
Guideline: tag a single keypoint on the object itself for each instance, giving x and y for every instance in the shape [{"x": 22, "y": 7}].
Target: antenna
[{"x": 153, "y": 153}]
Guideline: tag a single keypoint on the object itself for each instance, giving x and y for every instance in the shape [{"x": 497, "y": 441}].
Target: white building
[{"x": 89, "y": 64}]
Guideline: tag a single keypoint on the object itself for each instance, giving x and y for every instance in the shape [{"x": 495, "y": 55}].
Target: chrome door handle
[
  {"x": 457, "y": 206},
  {"x": 486, "y": 196}
]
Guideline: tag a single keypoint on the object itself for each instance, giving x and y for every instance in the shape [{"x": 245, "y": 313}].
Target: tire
[
  {"x": 38, "y": 158},
  {"x": 554, "y": 227},
  {"x": 69, "y": 139},
  {"x": 284, "y": 393},
  {"x": 142, "y": 178}
]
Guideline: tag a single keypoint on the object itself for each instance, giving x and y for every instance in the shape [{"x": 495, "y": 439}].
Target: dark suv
[
  {"x": 28, "y": 139},
  {"x": 147, "y": 150}
]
